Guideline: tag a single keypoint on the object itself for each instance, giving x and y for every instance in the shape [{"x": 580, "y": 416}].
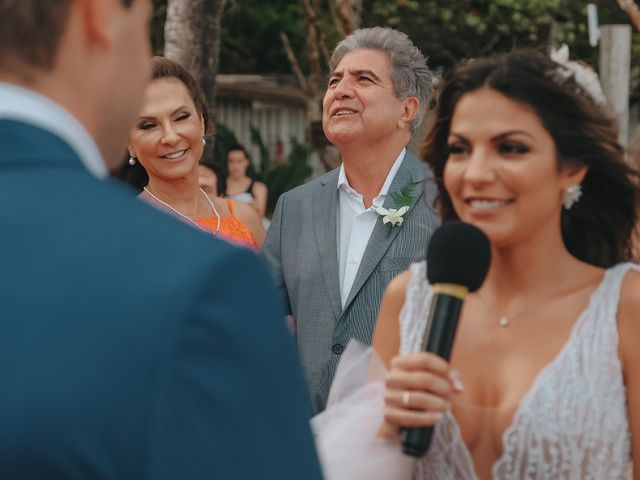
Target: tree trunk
[
  {"x": 192, "y": 38},
  {"x": 347, "y": 15},
  {"x": 632, "y": 10}
]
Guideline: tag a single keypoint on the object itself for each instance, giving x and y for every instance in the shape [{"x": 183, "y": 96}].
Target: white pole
[
  {"x": 615, "y": 64},
  {"x": 594, "y": 29}
]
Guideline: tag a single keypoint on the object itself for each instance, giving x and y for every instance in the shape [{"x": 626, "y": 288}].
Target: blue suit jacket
[{"x": 131, "y": 345}]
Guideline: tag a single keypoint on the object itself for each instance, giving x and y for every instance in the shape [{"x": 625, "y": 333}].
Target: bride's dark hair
[{"x": 599, "y": 228}]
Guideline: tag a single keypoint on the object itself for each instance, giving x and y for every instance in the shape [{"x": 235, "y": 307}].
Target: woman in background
[
  {"x": 544, "y": 377},
  {"x": 241, "y": 187},
  {"x": 165, "y": 148},
  {"x": 208, "y": 179}
]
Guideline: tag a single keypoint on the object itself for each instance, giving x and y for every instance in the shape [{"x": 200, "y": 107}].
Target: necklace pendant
[{"x": 504, "y": 322}]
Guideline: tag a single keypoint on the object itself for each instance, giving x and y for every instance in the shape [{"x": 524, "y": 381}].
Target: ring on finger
[{"x": 406, "y": 398}]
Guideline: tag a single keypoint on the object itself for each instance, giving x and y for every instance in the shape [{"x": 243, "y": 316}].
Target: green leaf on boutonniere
[
  {"x": 403, "y": 200},
  {"x": 405, "y": 197}
]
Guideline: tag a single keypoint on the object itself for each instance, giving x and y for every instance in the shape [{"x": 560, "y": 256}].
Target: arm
[
  {"x": 232, "y": 402},
  {"x": 260, "y": 194},
  {"x": 424, "y": 376},
  {"x": 629, "y": 330},
  {"x": 386, "y": 336},
  {"x": 249, "y": 216}
]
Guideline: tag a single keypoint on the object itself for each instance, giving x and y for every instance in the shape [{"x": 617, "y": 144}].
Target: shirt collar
[
  {"x": 344, "y": 182},
  {"x": 20, "y": 104}
]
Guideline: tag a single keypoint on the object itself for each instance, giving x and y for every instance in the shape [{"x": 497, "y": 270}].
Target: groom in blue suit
[{"x": 131, "y": 345}]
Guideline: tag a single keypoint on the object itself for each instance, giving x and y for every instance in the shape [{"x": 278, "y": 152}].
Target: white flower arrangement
[
  {"x": 403, "y": 200},
  {"x": 392, "y": 215}
]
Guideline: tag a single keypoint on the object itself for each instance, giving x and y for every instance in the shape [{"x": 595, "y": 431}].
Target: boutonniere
[
  {"x": 392, "y": 215},
  {"x": 403, "y": 200}
]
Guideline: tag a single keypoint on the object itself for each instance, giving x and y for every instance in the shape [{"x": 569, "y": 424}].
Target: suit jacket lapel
[
  {"x": 325, "y": 211},
  {"x": 383, "y": 235}
]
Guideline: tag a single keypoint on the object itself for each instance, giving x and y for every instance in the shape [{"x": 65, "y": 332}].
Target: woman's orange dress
[{"x": 231, "y": 228}]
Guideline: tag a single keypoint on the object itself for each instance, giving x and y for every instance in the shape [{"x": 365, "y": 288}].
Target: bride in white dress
[{"x": 544, "y": 378}]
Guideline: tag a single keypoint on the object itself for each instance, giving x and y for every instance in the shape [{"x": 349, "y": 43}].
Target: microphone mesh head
[{"x": 458, "y": 253}]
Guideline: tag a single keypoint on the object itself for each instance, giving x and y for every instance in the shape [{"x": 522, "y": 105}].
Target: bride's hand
[{"x": 418, "y": 389}]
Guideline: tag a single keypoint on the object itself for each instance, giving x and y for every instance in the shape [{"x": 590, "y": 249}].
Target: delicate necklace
[
  {"x": 196, "y": 224},
  {"x": 505, "y": 320}
]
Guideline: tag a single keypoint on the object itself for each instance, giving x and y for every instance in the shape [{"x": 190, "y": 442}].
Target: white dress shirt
[
  {"x": 355, "y": 225},
  {"x": 20, "y": 104}
]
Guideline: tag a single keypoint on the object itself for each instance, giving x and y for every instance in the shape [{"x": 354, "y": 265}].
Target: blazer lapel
[
  {"x": 325, "y": 211},
  {"x": 383, "y": 235}
]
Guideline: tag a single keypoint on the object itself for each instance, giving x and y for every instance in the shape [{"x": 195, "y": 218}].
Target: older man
[
  {"x": 336, "y": 242},
  {"x": 127, "y": 349}
]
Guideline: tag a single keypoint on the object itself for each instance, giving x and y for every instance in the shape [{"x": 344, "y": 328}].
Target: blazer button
[{"x": 337, "y": 349}]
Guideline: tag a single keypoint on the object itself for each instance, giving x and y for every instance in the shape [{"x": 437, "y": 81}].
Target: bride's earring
[{"x": 571, "y": 195}]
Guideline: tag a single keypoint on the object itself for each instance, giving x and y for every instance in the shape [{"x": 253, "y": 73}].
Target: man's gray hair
[{"x": 409, "y": 72}]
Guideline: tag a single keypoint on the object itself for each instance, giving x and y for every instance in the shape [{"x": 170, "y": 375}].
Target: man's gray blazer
[{"x": 302, "y": 248}]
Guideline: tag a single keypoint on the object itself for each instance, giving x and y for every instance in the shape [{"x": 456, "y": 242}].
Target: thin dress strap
[
  {"x": 230, "y": 207},
  {"x": 250, "y": 189}
]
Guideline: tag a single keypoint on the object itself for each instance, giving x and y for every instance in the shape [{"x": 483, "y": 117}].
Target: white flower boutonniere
[
  {"x": 403, "y": 200},
  {"x": 392, "y": 215}
]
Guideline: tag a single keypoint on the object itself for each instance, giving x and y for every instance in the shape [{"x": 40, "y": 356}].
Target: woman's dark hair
[
  {"x": 136, "y": 175},
  {"x": 237, "y": 148},
  {"x": 599, "y": 228},
  {"x": 221, "y": 184}
]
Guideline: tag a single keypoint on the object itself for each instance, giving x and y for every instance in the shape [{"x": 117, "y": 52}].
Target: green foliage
[
  {"x": 445, "y": 30},
  {"x": 250, "y": 37},
  {"x": 265, "y": 156},
  {"x": 456, "y": 29},
  {"x": 405, "y": 197},
  {"x": 277, "y": 178},
  {"x": 283, "y": 178},
  {"x": 225, "y": 138},
  {"x": 280, "y": 178},
  {"x": 156, "y": 26}
]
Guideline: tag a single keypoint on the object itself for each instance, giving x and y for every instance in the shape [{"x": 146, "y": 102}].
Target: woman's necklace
[
  {"x": 505, "y": 320},
  {"x": 213, "y": 207}
]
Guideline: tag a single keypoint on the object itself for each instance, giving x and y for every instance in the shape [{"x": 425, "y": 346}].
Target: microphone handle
[{"x": 438, "y": 338}]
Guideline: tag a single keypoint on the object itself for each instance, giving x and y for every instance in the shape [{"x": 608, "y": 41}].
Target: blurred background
[{"x": 263, "y": 63}]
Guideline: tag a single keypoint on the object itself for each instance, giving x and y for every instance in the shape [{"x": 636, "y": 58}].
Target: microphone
[{"x": 458, "y": 259}]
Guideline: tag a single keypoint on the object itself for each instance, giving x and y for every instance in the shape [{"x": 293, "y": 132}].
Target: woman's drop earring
[{"x": 132, "y": 161}]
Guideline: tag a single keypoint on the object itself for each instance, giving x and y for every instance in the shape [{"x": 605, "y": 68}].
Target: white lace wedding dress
[{"x": 571, "y": 424}]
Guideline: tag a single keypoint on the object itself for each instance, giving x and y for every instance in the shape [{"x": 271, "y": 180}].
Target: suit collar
[
  {"x": 28, "y": 107},
  {"x": 26, "y": 145}
]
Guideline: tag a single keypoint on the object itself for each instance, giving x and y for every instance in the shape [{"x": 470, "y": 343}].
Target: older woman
[
  {"x": 165, "y": 148},
  {"x": 544, "y": 378}
]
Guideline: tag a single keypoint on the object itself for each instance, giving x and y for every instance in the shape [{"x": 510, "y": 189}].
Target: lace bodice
[{"x": 571, "y": 424}]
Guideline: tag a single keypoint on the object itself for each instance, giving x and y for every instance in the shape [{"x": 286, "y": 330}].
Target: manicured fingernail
[
  {"x": 438, "y": 416},
  {"x": 454, "y": 375}
]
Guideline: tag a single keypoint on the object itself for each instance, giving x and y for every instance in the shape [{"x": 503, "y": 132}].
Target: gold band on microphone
[{"x": 451, "y": 289}]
